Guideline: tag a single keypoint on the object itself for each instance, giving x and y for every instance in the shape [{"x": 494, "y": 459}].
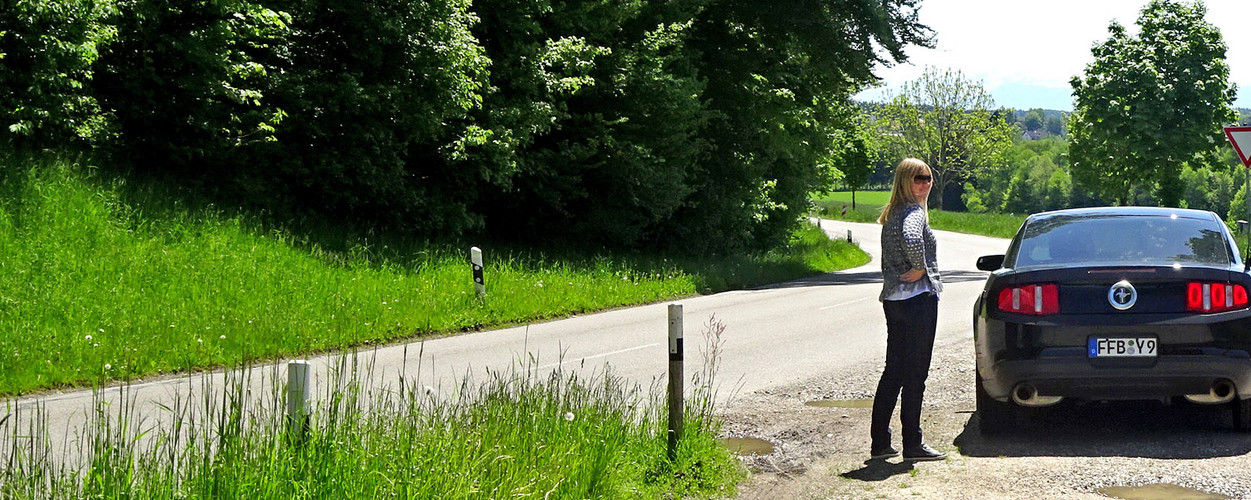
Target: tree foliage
[
  {"x": 696, "y": 124},
  {"x": 1151, "y": 104},
  {"x": 183, "y": 86},
  {"x": 950, "y": 122},
  {"x": 47, "y": 52}
]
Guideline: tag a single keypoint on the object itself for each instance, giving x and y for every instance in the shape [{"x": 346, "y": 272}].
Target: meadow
[
  {"x": 101, "y": 281},
  {"x": 869, "y": 204}
]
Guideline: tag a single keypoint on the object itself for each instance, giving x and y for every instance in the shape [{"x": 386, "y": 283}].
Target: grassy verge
[
  {"x": 869, "y": 204},
  {"x": 519, "y": 435},
  {"x": 97, "y": 286}
]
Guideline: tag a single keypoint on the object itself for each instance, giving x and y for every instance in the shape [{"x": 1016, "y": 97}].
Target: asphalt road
[{"x": 773, "y": 336}]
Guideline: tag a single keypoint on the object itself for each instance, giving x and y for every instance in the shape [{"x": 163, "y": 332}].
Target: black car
[{"x": 1114, "y": 303}]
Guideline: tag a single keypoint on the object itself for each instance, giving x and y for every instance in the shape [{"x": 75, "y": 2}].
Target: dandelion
[
  {"x": 569, "y": 416},
  {"x": 88, "y": 336},
  {"x": 108, "y": 367}
]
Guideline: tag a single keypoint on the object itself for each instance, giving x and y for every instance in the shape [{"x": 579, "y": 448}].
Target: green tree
[
  {"x": 1151, "y": 104},
  {"x": 950, "y": 122},
  {"x": 1054, "y": 125},
  {"x": 776, "y": 82},
  {"x": 184, "y": 84},
  {"x": 604, "y": 132},
  {"x": 853, "y": 157},
  {"x": 1033, "y": 121},
  {"x": 47, "y": 49},
  {"x": 378, "y": 97}
]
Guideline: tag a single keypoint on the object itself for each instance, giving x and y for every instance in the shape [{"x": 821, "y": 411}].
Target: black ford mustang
[{"x": 1114, "y": 303}]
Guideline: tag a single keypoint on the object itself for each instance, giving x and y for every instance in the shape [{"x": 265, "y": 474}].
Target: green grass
[
  {"x": 102, "y": 281},
  {"x": 869, "y": 204},
  {"x": 518, "y": 435}
]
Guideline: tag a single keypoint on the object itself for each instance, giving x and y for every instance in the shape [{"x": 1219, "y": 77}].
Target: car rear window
[{"x": 1122, "y": 240}]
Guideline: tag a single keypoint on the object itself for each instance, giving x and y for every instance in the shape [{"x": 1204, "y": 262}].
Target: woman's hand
[{"x": 912, "y": 275}]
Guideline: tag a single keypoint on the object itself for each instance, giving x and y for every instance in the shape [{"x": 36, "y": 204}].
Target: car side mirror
[{"x": 990, "y": 262}]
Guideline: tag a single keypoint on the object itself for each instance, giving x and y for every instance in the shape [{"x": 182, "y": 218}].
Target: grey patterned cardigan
[{"x": 908, "y": 243}]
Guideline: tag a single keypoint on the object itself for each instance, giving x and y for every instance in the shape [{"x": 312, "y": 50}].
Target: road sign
[{"x": 1240, "y": 137}]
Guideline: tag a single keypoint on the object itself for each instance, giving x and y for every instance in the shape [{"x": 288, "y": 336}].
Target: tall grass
[
  {"x": 519, "y": 435},
  {"x": 102, "y": 280}
]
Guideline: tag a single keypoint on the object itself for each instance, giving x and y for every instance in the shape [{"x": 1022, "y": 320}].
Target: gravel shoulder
[{"x": 1070, "y": 451}]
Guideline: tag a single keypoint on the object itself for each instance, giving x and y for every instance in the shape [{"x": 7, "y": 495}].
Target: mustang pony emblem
[{"x": 1122, "y": 295}]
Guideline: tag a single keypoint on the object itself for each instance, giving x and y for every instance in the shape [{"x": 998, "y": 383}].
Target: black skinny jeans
[{"x": 910, "y": 329}]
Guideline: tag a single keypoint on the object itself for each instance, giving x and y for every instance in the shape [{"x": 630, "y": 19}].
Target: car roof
[{"x": 1125, "y": 211}]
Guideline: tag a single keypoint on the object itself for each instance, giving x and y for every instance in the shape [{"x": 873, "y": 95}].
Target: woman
[{"x": 910, "y": 288}]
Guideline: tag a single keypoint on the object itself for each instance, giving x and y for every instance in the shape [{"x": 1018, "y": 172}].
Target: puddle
[
  {"x": 841, "y": 403},
  {"x": 748, "y": 446},
  {"x": 1159, "y": 492}
]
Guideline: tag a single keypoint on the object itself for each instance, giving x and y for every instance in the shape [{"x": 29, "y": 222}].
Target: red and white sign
[{"x": 1240, "y": 137}]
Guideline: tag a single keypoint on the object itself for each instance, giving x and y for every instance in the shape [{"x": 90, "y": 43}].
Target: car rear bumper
[{"x": 1079, "y": 377}]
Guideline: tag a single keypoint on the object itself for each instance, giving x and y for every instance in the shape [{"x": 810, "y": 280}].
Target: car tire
[
  {"x": 993, "y": 417},
  {"x": 1241, "y": 414}
]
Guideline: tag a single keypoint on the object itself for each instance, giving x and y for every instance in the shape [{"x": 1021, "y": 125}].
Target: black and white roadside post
[
  {"x": 676, "y": 409},
  {"x": 298, "y": 388},
  {"x": 479, "y": 283}
]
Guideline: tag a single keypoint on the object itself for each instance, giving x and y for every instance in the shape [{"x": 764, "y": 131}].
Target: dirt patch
[{"x": 1073, "y": 450}]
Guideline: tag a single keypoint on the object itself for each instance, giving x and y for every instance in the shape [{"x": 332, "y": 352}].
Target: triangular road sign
[{"x": 1240, "y": 137}]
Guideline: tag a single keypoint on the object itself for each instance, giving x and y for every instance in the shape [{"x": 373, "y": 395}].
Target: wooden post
[{"x": 676, "y": 407}]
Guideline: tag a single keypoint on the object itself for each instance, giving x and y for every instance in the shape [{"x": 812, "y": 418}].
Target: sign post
[{"x": 1240, "y": 137}]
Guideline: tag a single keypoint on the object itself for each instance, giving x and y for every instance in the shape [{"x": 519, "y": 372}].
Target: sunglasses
[{"x": 922, "y": 179}]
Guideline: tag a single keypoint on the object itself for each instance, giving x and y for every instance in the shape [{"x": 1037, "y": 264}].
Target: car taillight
[
  {"x": 1030, "y": 299},
  {"x": 1214, "y": 297}
]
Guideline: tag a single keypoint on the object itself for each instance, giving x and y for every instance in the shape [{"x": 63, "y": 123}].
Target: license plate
[{"x": 1121, "y": 347}]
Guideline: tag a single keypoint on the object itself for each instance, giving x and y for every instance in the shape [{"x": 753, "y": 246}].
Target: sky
[{"x": 1025, "y": 52}]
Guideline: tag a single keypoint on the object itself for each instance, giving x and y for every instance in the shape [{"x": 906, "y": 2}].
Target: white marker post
[
  {"x": 298, "y": 389},
  {"x": 479, "y": 282},
  {"x": 676, "y": 409}
]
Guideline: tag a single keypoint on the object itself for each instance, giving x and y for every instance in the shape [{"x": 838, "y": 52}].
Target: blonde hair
[{"x": 901, "y": 191}]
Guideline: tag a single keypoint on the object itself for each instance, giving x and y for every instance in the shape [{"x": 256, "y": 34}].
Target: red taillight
[
  {"x": 1030, "y": 299},
  {"x": 1202, "y": 296}
]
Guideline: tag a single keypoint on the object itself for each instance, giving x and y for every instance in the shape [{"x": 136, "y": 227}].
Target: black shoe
[
  {"x": 923, "y": 453},
  {"x": 886, "y": 452}
]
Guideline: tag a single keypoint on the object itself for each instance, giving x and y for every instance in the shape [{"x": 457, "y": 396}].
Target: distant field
[
  {"x": 869, "y": 199},
  {"x": 869, "y": 205}
]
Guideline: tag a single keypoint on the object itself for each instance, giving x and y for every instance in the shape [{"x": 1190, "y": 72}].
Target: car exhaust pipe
[
  {"x": 1222, "y": 391},
  {"x": 1026, "y": 394}
]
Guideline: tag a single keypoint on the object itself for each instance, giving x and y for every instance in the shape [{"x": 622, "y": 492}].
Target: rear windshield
[{"x": 1123, "y": 240}]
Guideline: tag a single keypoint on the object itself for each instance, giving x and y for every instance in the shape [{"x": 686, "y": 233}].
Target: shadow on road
[
  {"x": 878, "y": 470},
  {"x": 1143, "y": 429},
  {"x": 843, "y": 278}
]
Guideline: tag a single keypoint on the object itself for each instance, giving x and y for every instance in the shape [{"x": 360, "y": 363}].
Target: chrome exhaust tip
[
  {"x": 1025, "y": 394},
  {"x": 1222, "y": 391}
]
